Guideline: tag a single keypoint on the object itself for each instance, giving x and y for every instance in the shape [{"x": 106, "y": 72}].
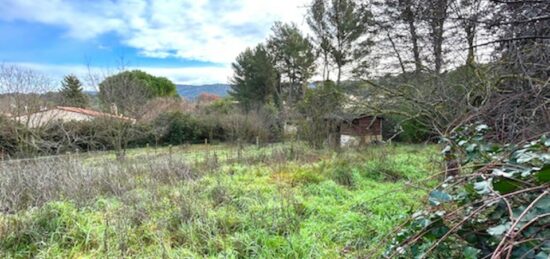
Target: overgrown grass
[{"x": 274, "y": 202}]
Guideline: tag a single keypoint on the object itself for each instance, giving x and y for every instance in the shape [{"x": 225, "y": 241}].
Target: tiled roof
[{"x": 91, "y": 113}]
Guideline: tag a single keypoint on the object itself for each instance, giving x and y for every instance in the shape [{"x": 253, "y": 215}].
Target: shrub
[
  {"x": 342, "y": 173},
  {"x": 497, "y": 209},
  {"x": 177, "y": 128},
  {"x": 245, "y": 128},
  {"x": 8, "y": 137}
]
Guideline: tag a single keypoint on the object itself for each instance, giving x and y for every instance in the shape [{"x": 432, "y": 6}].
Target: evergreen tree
[
  {"x": 255, "y": 79},
  {"x": 294, "y": 58},
  {"x": 72, "y": 93},
  {"x": 340, "y": 28}
]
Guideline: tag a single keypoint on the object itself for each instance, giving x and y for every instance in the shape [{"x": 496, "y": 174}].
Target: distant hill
[{"x": 191, "y": 92}]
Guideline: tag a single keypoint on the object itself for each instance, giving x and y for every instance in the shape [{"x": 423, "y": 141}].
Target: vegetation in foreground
[{"x": 278, "y": 201}]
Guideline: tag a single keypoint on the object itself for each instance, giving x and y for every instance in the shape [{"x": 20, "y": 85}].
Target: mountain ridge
[{"x": 191, "y": 92}]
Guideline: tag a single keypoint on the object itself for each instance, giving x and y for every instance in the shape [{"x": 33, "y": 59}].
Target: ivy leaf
[
  {"x": 481, "y": 127},
  {"x": 544, "y": 203},
  {"x": 542, "y": 255},
  {"x": 471, "y": 147},
  {"x": 543, "y": 176},
  {"x": 499, "y": 230},
  {"x": 499, "y": 172},
  {"x": 482, "y": 187},
  {"x": 438, "y": 197},
  {"x": 525, "y": 157},
  {"x": 504, "y": 185},
  {"x": 471, "y": 253}
]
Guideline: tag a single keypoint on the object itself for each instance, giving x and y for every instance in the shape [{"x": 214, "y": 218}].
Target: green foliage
[
  {"x": 179, "y": 128},
  {"x": 8, "y": 137},
  {"x": 321, "y": 108},
  {"x": 342, "y": 173},
  {"x": 130, "y": 90},
  {"x": 255, "y": 79},
  {"x": 294, "y": 58},
  {"x": 221, "y": 106},
  {"x": 277, "y": 209},
  {"x": 414, "y": 132},
  {"x": 72, "y": 92},
  {"x": 499, "y": 206},
  {"x": 340, "y": 28},
  {"x": 159, "y": 86}
]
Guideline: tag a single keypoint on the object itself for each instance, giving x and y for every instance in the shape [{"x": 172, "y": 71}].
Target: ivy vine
[{"x": 498, "y": 207}]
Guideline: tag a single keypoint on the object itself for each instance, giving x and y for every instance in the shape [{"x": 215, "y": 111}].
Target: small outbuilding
[{"x": 356, "y": 129}]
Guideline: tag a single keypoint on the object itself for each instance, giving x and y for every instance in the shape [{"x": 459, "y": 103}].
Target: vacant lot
[{"x": 212, "y": 201}]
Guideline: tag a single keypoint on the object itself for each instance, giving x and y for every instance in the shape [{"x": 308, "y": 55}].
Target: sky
[{"x": 187, "y": 41}]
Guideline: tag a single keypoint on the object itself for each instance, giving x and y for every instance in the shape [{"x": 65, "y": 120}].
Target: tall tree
[
  {"x": 519, "y": 107},
  {"x": 255, "y": 79},
  {"x": 124, "y": 92},
  {"x": 437, "y": 14},
  {"x": 318, "y": 24},
  {"x": 342, "y": 25},
  {"x": 294, "y": 58},
  {"x": 409, "y": 14},
  {"x": 129, "y": 90},
  {"x": 468, "y": 14},
  {"x": 72, "y": 93}
]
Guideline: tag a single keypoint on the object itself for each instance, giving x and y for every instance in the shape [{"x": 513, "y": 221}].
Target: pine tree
[
  {"x": 341, "y": 31},
  {"x": 72, "y": 93},
  {"x": 255, "y": 79},
  {"x": 294, "y": 58}
]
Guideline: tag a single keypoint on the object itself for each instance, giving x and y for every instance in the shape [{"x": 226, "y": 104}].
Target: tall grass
[{"x": 285, "y": 201}]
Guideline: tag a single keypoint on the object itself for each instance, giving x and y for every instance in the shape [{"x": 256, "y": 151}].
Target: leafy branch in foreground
[{"x": 499, "y": 207}]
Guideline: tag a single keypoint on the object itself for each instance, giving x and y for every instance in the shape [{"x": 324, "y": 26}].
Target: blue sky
[{"x": 190, "y": 42}]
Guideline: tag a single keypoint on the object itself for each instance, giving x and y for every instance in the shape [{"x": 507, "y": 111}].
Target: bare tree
[{"x": 22, "y": 88}]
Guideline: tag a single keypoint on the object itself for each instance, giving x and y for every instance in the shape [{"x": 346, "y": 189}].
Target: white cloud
[{"x": 206, "y": 30}]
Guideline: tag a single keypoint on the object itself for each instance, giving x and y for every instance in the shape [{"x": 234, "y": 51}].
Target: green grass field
[{"x": 281, "y": 201}]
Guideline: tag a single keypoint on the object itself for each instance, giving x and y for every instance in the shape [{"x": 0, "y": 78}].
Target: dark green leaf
[
  {"x": 505, "y": 185},
  {"x": 543, "y": 176},
  {"x": 471, "y": 253}
]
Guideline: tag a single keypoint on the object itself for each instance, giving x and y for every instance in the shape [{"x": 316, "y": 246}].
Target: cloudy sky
[{"x": 188, "y": 41}]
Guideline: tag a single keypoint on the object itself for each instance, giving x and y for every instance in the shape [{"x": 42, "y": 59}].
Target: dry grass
[{"x": 32, "y": 183}]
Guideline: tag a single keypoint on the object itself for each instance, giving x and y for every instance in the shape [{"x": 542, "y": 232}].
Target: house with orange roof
[{"x": 64, "y": 114}]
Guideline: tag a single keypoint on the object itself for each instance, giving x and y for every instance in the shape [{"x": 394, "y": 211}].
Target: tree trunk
[
  {"x": 470, "y": 36},
  {"x": 339, "y": 75},
  {"x": 409, "y": 17},
  {"x": 439, "y": 15},
  {"x": 401, "y": 64}
]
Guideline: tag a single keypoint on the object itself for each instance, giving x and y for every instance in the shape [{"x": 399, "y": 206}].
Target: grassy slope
[{"x": 323, "y": 205}]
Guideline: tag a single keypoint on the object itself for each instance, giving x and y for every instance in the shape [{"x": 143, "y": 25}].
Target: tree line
[{"x": 429, "y": 66}]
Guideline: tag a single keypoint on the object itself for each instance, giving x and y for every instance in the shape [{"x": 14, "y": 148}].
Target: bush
[
  {"x": 497, "y": 207},
  {"x": 177, "y": 128},
  {"x": 411, "y": 131},
  {"x": 245, "y": 128},
  {"x": 342, "y": 173},
  {"x": 8, "y": 137}
]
